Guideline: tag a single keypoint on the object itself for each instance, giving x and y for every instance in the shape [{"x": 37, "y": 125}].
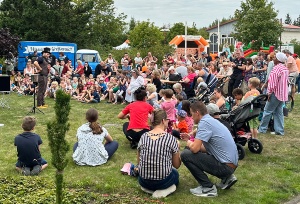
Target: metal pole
[
  {"x": 280, "y": 36},
  {"x": 185, "y": 40},
  {"x": 218, "y": 36}
]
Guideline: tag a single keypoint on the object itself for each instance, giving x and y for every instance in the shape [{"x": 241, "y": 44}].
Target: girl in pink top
[
  {"x": 169, "y": 106},
  {"x": 188, "y": 119}
]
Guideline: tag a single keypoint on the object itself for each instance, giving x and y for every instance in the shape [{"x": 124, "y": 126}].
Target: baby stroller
[
  {"x": 239, "y": 121},
  {"x": 204, "y": 91}
]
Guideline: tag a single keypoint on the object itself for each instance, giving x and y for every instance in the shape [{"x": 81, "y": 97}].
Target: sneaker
[
  {"x": 164, "y": 193},
  {"x": 227, "y": 182},
  {"x": 45, "y": 105},
  {"x": 195, "y": 190},
  {"x": 41, "y": 107},
  {"x": 272, "y": 133},
  {"x": 204, "y": 191},
  {"x": 26, "y": 171},
  {"x": 36, "y": 170},
  {"x": 147, "y": 190}
]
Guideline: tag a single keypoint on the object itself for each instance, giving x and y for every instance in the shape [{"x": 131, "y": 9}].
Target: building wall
[
  {"x": 226, "y": 29},
  {"x": 289, "y": 35}
]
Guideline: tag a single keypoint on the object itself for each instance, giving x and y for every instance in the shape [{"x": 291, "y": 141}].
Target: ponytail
[{"x": 96, "y": 128}]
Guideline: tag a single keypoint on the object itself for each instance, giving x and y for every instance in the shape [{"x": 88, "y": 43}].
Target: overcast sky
[{"x": 201, "y": 12}]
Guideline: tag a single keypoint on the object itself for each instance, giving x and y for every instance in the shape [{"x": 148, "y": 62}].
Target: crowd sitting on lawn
[{"x": 210, "y": 147}]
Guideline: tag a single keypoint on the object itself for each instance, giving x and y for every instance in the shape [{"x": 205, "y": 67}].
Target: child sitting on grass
[
  {"x": 180, "y": 126},
  {"x": 253, "y": 84},
  {"x": 30, "y": 161}
]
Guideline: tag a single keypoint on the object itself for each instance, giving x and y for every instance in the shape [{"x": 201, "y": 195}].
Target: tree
[
  {"x": 297, "y": 21},
  {"x": 145, "y": 35},
  {"x": 55, "y": 20},
  {"x": 132, "y": 24},
  {"x": 107, "y": 28},
  {"x": 8, "y": 42},
  {"x": 56, "y": 134},
  {"x": 257, "y": 21},
  {"x": 179, "y": 29},
  {"x": 288, "y": 19}
]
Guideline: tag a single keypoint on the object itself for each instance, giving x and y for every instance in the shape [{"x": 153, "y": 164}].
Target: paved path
[{"x": 296, "y": 200}]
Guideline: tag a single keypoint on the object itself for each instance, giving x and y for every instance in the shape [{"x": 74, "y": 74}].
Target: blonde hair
[
  {"x": 54, "y": 83},
  {"x": 191, "y": 69},
  {"x": 254, "y": 81},
  {"x": 199, "y": 80},
  {"x": 177, "y": 86},
  {"x": 156, "y": 74},
  {"x": 151, "y": 88}
]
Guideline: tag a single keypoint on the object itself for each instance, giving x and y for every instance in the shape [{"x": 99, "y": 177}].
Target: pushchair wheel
[
  {"x": 240, "y": 150},
  {"x": 192, "y": 100},
  {"x": 255, "y": 146}
]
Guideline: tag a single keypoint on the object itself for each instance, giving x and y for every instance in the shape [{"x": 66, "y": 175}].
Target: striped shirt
[
  {"x": 278, "y": 82},
  {"x": 156, "y": 155}
]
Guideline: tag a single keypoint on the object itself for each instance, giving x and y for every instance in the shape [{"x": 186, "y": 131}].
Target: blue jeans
[
  {"x": 298, "y": 83},
  {"x": 40, "y": 161},
  {"x": 111, "y": 148},
  {"x": 154, "y": 185},
  {"x": 273, "y": 107}
]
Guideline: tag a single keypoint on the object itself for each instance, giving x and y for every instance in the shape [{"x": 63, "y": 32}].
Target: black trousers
[
  {"x": 42, "y": 86},
  {"x": 131, "y": 135},
  {"x": 234, "y": 82}
]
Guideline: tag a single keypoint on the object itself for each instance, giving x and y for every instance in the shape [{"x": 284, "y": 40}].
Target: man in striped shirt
[{"x": 277, "y": 94}]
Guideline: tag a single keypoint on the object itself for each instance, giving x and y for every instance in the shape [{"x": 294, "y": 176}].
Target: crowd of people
[{"x": 160, "y": 95}]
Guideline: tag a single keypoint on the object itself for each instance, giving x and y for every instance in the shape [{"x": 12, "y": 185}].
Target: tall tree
[
  {"x": 255, "y": 20},
  {"x": 57, "y": 130},
  {"x": 107, "y": 27},
  {"x": 288, "y": 19},
  {"x": 179, "y": 29},
  {"x": 55, "y": 20},
  {"x": 8, "y": 42},
  {"x": 145, "y": 35},
  {"x": 132, "y": 24}
]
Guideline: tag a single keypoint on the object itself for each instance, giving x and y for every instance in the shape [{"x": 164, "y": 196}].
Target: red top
[
  {"x": 80, "y": 69},
  {"x": 139, "y": 111},
  {"x": 183, "y": 127}
]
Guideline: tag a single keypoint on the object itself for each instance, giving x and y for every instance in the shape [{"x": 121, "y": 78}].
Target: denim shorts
[
  {"x": 41, "y": 162},
  {"x": 153, "y": 185}
]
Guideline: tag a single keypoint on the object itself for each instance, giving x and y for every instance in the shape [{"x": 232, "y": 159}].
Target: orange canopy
[{"x": 198, "y": 39}]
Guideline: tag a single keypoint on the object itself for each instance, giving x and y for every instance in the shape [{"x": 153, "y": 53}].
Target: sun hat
[
  {"x": 182, "y": 113},
  {"x": 281, "y": 57}
]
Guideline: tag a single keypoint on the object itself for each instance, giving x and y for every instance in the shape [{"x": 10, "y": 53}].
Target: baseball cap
[
  {"x": 213, "y": 109},
  {"x": 295, "y": 55},
  {"x": 182, "y": 113}
]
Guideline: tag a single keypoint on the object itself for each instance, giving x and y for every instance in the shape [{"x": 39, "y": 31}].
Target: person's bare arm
[{"x": 38, "y": 67}]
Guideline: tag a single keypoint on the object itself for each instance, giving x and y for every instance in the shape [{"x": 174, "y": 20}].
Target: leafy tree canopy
[
  {"x": 288, "y": 19},
  {"x": 8, "y": 42},
  {"x": 179, "y": 29},
  {"x": 257, "y": 21},
  {"x": 145, "y": 35}
]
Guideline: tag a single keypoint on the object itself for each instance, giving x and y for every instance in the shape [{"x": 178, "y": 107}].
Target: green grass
[{"x": 271, "y": 177}]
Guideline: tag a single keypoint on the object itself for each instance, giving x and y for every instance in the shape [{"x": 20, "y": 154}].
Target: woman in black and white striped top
[{"x": 158, "y": 153}]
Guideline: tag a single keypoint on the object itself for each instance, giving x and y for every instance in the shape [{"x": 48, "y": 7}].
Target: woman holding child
[
  {"x": 136, "y": 81},
  {"x": 89, "y": 150},
  {"x": 156, "y": 173}
]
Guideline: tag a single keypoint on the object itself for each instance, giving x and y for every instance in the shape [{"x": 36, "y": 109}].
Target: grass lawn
[{"x": 271, "y": 177}]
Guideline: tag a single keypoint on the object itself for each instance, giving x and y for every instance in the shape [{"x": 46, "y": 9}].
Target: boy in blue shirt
[{"x": 30, "y": 161}]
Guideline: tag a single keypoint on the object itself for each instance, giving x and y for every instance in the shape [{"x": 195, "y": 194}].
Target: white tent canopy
[{"x": 125, "y": 45}]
